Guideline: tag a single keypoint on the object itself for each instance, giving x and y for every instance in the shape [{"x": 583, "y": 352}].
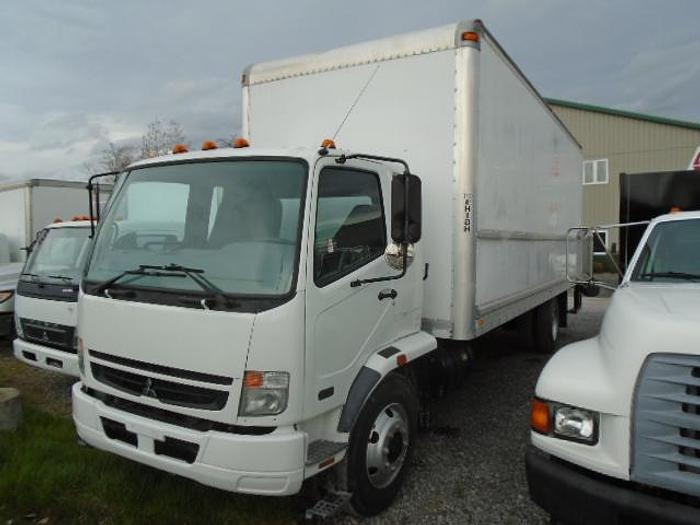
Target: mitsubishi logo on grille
[
  {"x": 44, "y": 336},
  {"x": 148, "y": 389}
]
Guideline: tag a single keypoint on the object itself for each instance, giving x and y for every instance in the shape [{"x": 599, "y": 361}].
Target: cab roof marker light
[
  {"x": 209, "y": 144},
  {"x": 328, "y": 144},
  {"x": 240, "y": 142},
  {"x": 180, "y": 148}
]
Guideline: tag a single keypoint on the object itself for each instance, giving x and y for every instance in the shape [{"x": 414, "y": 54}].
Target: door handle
[{"x": 387, "y": 293}]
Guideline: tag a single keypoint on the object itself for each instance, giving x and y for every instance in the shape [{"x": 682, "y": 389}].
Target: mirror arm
[{"x": 89, "y": 187}]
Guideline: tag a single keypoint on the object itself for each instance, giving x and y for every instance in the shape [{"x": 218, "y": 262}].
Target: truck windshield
[
  {"x": 671, "y": 253},
  {"x": 58, "y": 253},
  {"x": 235, "y": 223}
]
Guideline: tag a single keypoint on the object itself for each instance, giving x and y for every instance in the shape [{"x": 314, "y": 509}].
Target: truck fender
[{"x": 378, "y": 366}]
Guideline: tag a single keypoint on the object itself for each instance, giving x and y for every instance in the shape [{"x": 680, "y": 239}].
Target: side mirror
[{"x": 406, "y": 203}]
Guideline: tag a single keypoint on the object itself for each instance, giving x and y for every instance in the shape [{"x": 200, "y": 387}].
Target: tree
[
  {"x": 160, "y": 139},
  {"x": 113, "y": 157}
]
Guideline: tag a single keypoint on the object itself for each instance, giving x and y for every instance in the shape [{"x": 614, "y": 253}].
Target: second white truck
[
  {"x": 47, "y": 296},
  {"x": 616, "y": 419},
  {"x": 252, "y": 317}
]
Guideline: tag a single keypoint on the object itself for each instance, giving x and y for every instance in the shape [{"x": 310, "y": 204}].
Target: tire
[
  {"x": 381, "y": 445},
  {"x": 546, "y": 327}
]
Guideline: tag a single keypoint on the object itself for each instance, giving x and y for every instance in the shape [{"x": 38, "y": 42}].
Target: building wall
[{"x": 631, "y": 146}]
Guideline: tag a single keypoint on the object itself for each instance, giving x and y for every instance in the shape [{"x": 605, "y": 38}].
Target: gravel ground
[{"x": 476, "y": 474}]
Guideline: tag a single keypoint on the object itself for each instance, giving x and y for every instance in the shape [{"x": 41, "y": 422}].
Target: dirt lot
[{"x": 469, "y": 470}]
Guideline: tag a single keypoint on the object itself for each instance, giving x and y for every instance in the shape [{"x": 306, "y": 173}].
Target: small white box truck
[
  {"x": 25, "y": 208},
  {"x": 616, "y": 419},
  {"x": 47, "y": 295},
  {"x": 252, "y": 317}
]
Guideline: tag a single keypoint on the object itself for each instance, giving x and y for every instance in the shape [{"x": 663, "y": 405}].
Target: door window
[{"x": 350, "y": 227}]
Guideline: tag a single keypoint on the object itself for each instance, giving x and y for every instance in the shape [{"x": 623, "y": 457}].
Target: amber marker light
[
  {"x": 540, "y": 417},
  {"x": 328, "y": 143},
  {"x": 209, "y": 144},
  {"x": 240, "y": 142},
  {"x": 253, "y": 379},
  {"x": 180, "y": 148},
  {"x": 470, "y": 36}
]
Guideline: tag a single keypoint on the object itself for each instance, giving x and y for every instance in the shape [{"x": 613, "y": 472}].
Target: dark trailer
[{"x": 643, "y": 196}]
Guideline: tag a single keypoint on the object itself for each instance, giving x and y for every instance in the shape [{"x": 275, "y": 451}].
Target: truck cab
[
  {"x": 237, "y": 309},
  {"x": 615, "y": 421},
  {"x": 47, "y": 296}
]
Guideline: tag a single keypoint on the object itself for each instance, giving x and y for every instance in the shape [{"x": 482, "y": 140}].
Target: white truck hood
[
  {"x": 9, "y": 274},
  {"x": 682, "y": 302},
  {"x": 642, "y": 319}
]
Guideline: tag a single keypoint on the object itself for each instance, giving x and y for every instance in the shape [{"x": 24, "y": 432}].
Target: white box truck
[
  {"x": 616, "y": 419},
  {"x": 47, "y": 295},
  {"x": 252, "y": 317}
]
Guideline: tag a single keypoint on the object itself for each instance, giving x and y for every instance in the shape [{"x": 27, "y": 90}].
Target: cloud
[{"x": 78, "y": 75}]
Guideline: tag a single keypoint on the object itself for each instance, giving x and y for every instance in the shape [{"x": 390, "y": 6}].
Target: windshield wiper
[
  {"x": 196, "y": 274},
  {"x": 672, "y": 275},
  {"x": 104, "y": 285}
]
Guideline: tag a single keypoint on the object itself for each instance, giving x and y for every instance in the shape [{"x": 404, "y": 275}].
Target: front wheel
[{"x": 381, "y": 445}]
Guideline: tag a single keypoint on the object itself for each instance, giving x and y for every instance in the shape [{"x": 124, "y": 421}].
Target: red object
[{"x": 696, "y": 161}]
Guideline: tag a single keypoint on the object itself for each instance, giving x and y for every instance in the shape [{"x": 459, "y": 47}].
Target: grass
[{"x": 46, "y": 474}]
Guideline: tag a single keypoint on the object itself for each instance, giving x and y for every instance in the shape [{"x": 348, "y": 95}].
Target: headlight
[
  {"x": 565, "y": 421},
  {"x": 264, "y": 393},
  {"x": 6, "y": 296},
  {"x": 81, "y": 356}
]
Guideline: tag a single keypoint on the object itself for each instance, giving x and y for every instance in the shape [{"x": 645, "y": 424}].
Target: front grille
[
  {"x": 163, "y": 370},
  {"x": 173, "y": 418},
  {"x": 167, "y": 392},
  {"x": 666, "y": 424},
  {"x": 58, "y": 336}
]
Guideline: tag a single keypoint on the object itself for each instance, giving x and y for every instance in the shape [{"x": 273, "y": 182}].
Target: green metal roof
[{"x": 622, "y": 113}]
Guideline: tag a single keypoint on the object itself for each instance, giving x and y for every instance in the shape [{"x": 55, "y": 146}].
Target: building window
[
  {"x": 600, "y": 242},
  {"x": 595, "y": 171}
]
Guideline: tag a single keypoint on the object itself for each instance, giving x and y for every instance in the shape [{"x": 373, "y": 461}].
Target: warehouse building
[{"x": 616, "y": 142}]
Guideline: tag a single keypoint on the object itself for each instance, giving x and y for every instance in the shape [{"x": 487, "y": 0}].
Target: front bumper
[
  {"x": 45, "y": 357},
  {"x": 270, "y": 464},
  {"x": 577, "y": 497}
]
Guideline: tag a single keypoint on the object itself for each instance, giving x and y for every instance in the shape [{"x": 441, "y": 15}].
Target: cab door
[{"x": 345, "y": 323}]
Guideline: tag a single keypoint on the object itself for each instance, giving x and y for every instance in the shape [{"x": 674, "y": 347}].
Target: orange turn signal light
[
  {"x": 209, "y": 144},
  {"x": 180, "y": 148},
  {"x": 470, "y": 36},
  {"x": 240, "y": 142},
  {"x": 401, "y": 359},
  {"x": 540, "y": 417},
  {"x": 253, "y": 379},
  {"x": 328, "y": 144}
]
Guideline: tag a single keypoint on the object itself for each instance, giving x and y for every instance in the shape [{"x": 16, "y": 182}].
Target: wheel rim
[
  {"x": 555, "y": 323},
  {"x": 387, "y": 445}
]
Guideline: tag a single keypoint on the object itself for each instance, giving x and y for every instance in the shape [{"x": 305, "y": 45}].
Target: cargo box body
[
  {"x": 500, "y": 172},
  {"x": 26, "y": 207}
]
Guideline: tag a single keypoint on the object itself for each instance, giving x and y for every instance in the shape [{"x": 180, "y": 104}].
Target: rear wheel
[
  {"x": 546, "y": 327},
  {"x": 381, "y": 445}
]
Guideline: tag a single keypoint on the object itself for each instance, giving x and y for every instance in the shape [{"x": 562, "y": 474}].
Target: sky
[{"x": 76, "y": 75}]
